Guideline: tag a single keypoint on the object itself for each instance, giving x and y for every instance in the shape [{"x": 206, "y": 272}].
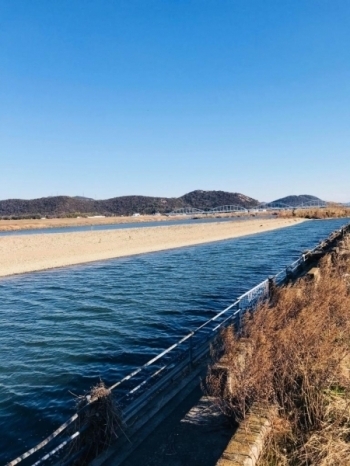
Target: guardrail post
[
  {"x": 190, "y": 350},
  {"x": 289, "y": 274},
  {"x": 239, "y": 309},
  {"x": 271, "y": 287}
]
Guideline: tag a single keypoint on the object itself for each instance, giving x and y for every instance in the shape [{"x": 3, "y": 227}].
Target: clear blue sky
[{"x": 160, "y": 97}]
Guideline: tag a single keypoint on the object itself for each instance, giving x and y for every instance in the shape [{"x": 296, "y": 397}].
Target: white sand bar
[{"x": 29, "y": 253}]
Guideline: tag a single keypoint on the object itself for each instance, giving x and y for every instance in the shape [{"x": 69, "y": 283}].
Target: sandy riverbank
[
  {"x": 36, "y": 224},
  {"x": 19, "y": 254}
]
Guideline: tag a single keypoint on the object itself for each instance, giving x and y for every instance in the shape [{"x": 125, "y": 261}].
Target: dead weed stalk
[{"x": 100, "y": 423}]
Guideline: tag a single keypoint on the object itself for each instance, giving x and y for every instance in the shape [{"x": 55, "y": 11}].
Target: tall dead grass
[
  {"x": 296, "y": 357},
  {"x": 330, "y": 211}
]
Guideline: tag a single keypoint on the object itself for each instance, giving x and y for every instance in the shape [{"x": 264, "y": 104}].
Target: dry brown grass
[
  {"x": 298, "y": 346},
  {"x": 330, "y": 211},
  {"x": 100, "y": 424}
]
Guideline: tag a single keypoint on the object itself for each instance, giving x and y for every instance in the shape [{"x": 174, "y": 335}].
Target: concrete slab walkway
[{"x": 195, "y": 434}]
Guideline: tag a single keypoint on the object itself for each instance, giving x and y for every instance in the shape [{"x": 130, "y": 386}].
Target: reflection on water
[{"x": 61, "y": 330}]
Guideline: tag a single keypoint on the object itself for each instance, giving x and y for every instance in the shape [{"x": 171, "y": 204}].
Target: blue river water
[{"x": 62, "y": 330}]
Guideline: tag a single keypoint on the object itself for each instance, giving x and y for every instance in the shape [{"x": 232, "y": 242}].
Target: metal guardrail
[{"x": 137, "y": 388}]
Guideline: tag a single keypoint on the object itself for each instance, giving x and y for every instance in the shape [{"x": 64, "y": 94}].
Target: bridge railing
[
  {"x": 216, "y": 210},
  {"x": 226, "y": 209},
  {"x": 267, "y": 206},
  {"x": 137, "y": 388},
  {"x": 186, "y": 211}
]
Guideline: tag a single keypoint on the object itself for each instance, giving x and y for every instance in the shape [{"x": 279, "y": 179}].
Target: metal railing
[{"x": 137, "y": 388}]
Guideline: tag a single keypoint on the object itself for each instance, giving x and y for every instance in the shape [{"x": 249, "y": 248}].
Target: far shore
[
  {"x": 29, "y": 253},
  {"x": 36, "y": 224}
]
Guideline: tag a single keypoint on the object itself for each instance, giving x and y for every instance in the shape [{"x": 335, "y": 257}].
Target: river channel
[{"x": 62, "y": 330}]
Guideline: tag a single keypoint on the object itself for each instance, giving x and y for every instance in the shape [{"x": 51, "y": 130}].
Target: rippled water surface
[{"x": 61, "y": 330}]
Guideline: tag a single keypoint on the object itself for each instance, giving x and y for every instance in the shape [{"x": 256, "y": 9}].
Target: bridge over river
[{"x": 263, "y": 207}]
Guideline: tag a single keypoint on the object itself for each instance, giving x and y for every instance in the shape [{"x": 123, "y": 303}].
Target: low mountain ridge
[
  {"x": 63, "y": 206},
  {"x": 209, "y": 199},
  {"x": 297, "y": 200}
]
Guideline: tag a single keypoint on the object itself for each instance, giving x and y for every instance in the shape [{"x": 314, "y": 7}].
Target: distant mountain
[
  {"x": 297, "y": 200},
  {"x": 63, "y": 206},
  {"x": 209, "y": 199}
]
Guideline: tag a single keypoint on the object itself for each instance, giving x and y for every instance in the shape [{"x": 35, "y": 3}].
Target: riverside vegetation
[
  {"x": 297, "y": 359},
  {"x": 330, "y": 211}
]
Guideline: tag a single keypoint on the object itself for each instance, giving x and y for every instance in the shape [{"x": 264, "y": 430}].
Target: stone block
[{"x": 314, "y": 274}]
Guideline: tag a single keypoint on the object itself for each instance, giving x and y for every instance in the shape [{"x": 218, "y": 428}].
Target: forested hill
[
  {"x": 297, "y": 200},
  {"x": 63, "y": 206}
]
